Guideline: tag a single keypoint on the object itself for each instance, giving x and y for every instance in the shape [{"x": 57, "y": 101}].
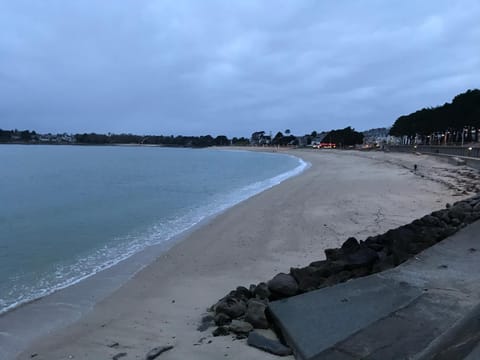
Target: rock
[
  {"x": 240, "y": 327},
  {"x": 222, "y": 319},
  {"x": 442, "y": 215},
  {"x": 261, "y": 291},
  {"x": 384, "y": 264},
  {"x": 456, "y": 222},
  {"x": 283, "y": 285},
  {"x": 119, "y": 355},
  {"x": 360, "y": 272},
  {"x": 338, "y": 278},
  {"x": 243, "y": 293},
  {"x": 320, "y": 263},
  {"x": 333, "y": 254},
  {"x": 231, "y": 306},
  {"x": 157, "y": 351},
  {"x": 430, "y": 220},
  {"x": 329, "y": 267},
  {"x": 271, "y": 346},
  {"x": 336, "y": 266},
  {"x": 460, "y": 210},
  {"x": 408, "y": 233},
  {"x": 476, "y": 207},
  {"x": 206, "y": 322},
  {"x": 376, "y": 247},
  {"x": 361, "y": 258},
  {"x": 310, "y": 278},
  {"x": 417, "y": 247},
  {"x": 470, "y": 218},
  {"x": 350, "y": 245},
  {"x": 256, "y": 314},
  {"x": 220, "y": 331}
]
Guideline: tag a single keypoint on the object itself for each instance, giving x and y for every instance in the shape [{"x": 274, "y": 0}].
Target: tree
[
  {"x": 221, "y": 140},
  {"x": 451, "y": 118},
  {"x": 344, "y": 137},
  {"x": 287, "y": 131},
  {"x": 240, "y": 141},
  {"x": 277, "y": 140}
]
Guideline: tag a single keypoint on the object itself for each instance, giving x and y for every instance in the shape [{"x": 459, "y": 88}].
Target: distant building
[
  {"x": 259, "y": 139},
  {"x": 318, "y": 139},
  {"x": 376, "y": 137},
  {"x": 304, "y": 140}
]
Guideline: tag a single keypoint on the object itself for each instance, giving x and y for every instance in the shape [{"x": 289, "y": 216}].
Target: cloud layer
[{"x": 225, "y": 67}]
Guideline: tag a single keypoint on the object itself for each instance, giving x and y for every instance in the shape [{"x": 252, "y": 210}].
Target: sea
[{"x": 69, "y": 212}]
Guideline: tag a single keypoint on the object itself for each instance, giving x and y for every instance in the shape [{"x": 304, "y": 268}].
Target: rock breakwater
[{"x": 352, "y": 260}]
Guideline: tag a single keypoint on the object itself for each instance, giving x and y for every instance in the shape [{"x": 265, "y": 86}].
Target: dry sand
[{"x": 343, "y": 194}]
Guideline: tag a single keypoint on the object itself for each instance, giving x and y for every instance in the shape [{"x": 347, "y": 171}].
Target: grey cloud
[{"x": 225, "y": 67}]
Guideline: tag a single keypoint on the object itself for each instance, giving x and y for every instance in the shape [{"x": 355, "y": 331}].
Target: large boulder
[
  {"x": 333, "y": 254},
  {"x": 242, "y": 293},
  {"x": 460, "y": 210},
  {"x": 364, "y": 256},
  {"x": 222, "y": 319},
  {"x": 220, "y": 331},
  {"x": 256, "y": 314},
  {"x": 240, "y": 327},
  {"x": 442, "y": 215},
  {"x": 231, "y": 306},
  {"x": 283, "y": 285},
  {"x": 403, "y": 234},
  {"x": 310, "y": 277},
  {"x": 261, "y": 291},
  {"x": 351, "y": 245},
  {"x": 339, "y": 278},
  {"x": 430, "y": 220}
]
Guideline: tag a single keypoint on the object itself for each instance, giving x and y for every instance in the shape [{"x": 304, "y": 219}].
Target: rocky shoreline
[{"x": 244, "y": 309}]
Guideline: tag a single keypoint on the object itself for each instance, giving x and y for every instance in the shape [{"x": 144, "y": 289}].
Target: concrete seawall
[
  {"x": 448, "y": 153},
  {"x": 415, "y": 311}
]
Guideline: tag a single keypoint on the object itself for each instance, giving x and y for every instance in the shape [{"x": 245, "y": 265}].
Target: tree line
[
  {"x": 26, "y": 136},
  {"x": 458, "y": 120},
  {"x": 344, "y": 137}
]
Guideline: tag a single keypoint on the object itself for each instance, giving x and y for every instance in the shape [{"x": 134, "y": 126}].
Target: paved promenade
[{"x": 426, "y": 308}]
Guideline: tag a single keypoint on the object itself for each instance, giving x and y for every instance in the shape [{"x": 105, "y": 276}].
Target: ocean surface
[{"x": 67, "y": 212}]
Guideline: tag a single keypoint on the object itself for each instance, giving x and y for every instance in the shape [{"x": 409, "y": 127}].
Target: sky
[{"x": 231, "y": 67}]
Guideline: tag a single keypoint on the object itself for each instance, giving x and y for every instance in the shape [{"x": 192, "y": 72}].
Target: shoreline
[
  {"x": 168, "y": 243},
  {"x": 282, "y": 252},
  {"x": 84, "y": 293}
]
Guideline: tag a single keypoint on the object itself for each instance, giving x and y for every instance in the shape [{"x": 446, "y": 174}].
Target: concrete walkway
[{"x": 424, "y": 309}]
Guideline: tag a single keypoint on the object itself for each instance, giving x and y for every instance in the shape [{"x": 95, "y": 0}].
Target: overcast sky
[{"x": 230, "y": 67}]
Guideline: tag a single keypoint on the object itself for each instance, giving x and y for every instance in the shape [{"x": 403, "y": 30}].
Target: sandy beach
[{"x": 342, "y": 194}]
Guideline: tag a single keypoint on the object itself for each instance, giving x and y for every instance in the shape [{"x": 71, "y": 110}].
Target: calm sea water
[{"x": 68, "y": 212}]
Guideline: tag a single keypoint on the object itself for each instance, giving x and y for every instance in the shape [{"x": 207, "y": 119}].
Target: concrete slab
[
  {"x": 475, "y": 354},
  {"x": 396, "y": 314},
  {"x": 391, "y": 337},
  {"x": 315, "y": 321}
]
